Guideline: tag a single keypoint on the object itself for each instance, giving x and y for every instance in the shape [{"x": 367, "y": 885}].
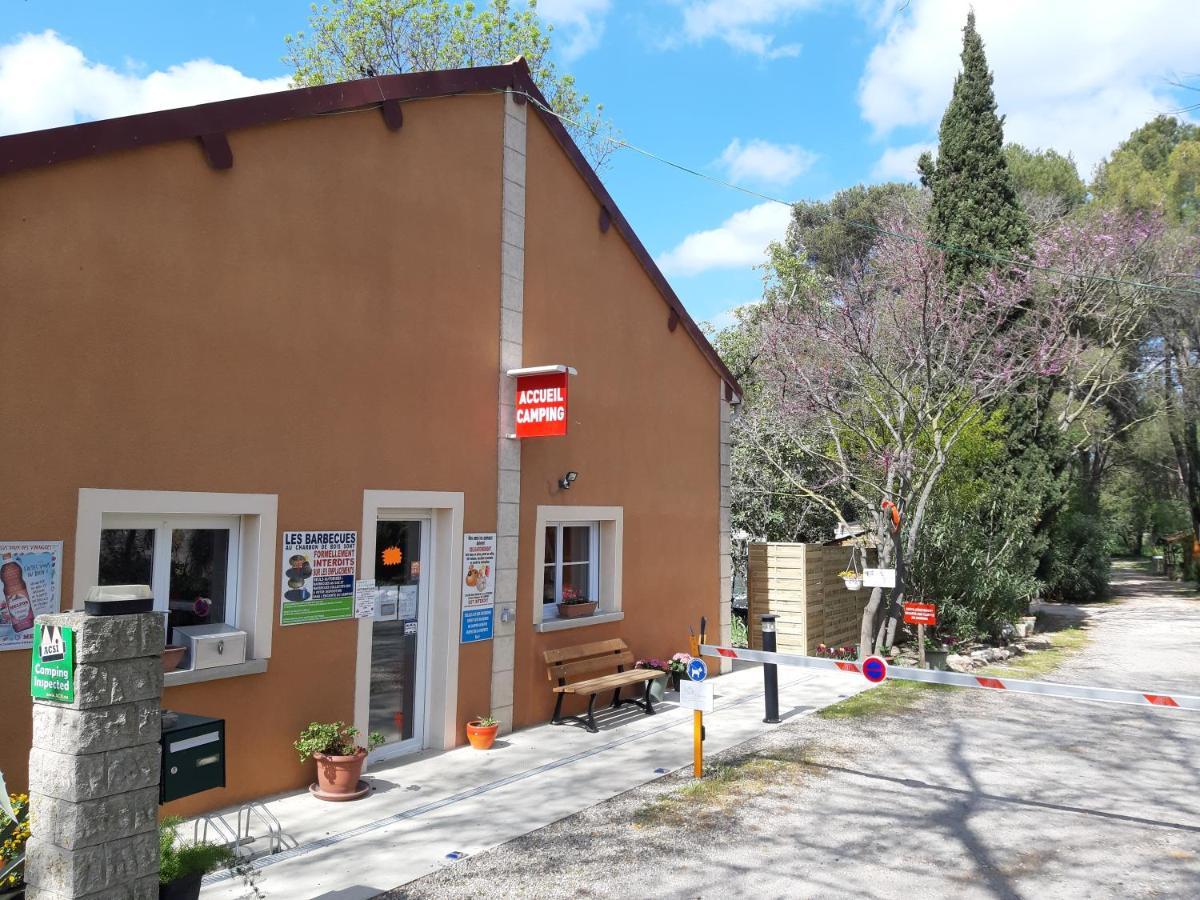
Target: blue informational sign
[
  {"x": 697, "y": 670},
  {"x": 477, "y": 624}
]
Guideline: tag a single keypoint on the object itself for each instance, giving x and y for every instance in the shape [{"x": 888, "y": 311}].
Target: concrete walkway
[{"x": 466, "y": 801}]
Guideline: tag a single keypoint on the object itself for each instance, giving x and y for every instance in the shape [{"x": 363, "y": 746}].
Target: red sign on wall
[
  {"x": 920, "y": 613},
  {"x": 542, "y": 405}
]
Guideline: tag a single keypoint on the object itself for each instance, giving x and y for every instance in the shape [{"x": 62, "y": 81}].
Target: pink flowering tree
[{"x": 873, "y": 377}]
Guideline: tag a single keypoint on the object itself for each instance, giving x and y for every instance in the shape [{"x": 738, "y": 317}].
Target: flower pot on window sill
[{"x": 576, "y": 610}]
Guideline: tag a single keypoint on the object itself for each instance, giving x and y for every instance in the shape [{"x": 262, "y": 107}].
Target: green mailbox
[{"x": 193, "y": 755}]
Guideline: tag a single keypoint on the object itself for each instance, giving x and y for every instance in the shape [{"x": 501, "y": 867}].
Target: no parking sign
[{"x": 874, "y": 669}]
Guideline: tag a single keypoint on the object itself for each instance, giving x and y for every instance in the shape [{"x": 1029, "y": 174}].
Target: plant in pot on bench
[{"x": 334, "y": 747}]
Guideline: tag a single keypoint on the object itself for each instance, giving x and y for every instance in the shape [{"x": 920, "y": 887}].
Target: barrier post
[
  {"x": 697, "y": 716},
  {"x": 770, "y": 671}
]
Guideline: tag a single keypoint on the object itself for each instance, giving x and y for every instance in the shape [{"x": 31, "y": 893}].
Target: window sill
[
  {"x": 194, "y": 676},
  {"x": 564, "y": 624}
]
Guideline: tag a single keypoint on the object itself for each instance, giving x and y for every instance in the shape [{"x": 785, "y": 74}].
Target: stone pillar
[
  {"x": 508, "y": 496},
  {"x": 94, "y": 767},
  {"x": 724, "y": 537}
]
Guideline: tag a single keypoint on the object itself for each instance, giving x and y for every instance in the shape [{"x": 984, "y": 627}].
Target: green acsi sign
[{"x": 52, "y": 676}]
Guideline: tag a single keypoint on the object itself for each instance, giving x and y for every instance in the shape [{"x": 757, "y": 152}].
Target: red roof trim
[{"x": 35, "y": 149}]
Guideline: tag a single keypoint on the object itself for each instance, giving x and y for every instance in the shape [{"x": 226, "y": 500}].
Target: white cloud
[
  {"x": 740, "y": 241},
  {"x": 727, "y": 318},
  {"x": 1075, "y": 75},
  {"x": 581, "y": 21},
  {"x": 46, "y": 82},
  {"x": 900, "y": 163},
  {"x": 745, "y": 25},
  {"x": 759, "y": 160}
]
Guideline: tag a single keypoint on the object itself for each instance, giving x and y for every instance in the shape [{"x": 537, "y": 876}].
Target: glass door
[{"x": 398, "y": 639}]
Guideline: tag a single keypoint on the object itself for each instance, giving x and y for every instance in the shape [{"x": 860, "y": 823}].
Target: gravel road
[{"x": 969, "y": 794}]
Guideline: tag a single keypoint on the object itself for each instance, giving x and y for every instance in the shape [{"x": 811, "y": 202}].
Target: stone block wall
[{"x": 94, "y": 766}]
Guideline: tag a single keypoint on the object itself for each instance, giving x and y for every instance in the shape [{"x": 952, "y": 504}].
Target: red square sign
[
  {"x": 920, "y": 613},
  {"x": 542, "y": 405}
]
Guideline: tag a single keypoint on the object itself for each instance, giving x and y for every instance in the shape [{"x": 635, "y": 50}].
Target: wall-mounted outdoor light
[{"x": 567, "y": 480}]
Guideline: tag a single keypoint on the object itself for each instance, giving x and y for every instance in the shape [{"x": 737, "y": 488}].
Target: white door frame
[
  {"x": 420, "y": 711},
  {"x": 445, "y": 512}
]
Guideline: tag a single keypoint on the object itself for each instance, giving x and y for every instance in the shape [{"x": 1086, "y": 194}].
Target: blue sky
[{"x": 794, "y": 98}]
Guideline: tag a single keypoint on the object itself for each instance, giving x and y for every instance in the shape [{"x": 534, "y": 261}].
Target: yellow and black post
[{"x": 697, "y": 716}]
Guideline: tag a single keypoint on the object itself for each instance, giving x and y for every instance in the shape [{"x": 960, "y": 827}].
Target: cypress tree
[{"x": 974, "y": 201}]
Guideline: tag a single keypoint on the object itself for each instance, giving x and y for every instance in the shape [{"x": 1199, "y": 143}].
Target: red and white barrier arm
[{"x": 930, "y": 676}]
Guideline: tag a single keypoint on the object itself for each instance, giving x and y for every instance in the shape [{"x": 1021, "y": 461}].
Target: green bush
[
  {"x": 738, "y": 633},
  {"x": 178, "y": 860},
  {"x": 332, "y": 739}
]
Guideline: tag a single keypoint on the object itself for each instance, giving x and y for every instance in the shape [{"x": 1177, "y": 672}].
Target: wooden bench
[{"x": 567, "y": 663}]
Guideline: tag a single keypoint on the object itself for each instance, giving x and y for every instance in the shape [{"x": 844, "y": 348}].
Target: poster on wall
[
  {"x": 30, "y": 586},
  {"x": 318, "y": 576},
  {"x": 478, "y": 586}
]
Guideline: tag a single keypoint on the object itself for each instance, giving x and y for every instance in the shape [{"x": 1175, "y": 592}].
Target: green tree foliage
[
  {"x": 974, "y": 201},
  {"x": 1157, "y": 166},
  {"x": 765, "y": 505},
  {"x": 981, "y": 549},
  {"x": 353, "y": 39},
  {"x": 835, "y": 237},
  {"x": 1045, "y": 175}
]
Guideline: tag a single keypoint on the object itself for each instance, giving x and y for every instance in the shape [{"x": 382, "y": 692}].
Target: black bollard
[{"x": 770, "y": 671}]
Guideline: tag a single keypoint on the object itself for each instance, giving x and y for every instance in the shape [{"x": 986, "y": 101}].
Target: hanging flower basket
[{"x": 853, "y": 580}]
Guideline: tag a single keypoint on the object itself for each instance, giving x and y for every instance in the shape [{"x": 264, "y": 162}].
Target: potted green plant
[
  {"x": 14, "y": 832},
  {"x": 334, "y": 747},
  {"x": 678, "y": 663},
  {"x": 481, "y": 732},
  {"x": 658, "y": 687},
  {"x": 937, "y": 650},
  {"x": 853, "y": 579},
  {"x": 181, "y": 866}
]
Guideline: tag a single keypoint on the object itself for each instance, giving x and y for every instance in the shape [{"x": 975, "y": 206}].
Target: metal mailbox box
[
  {"x": 193, "y": 756},
  {"x": 209, "y": 646}
]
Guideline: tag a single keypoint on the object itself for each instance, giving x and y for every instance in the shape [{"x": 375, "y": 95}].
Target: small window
[
  {"x": 572, "y": 566},
  {"x": 189, "y": 562}
]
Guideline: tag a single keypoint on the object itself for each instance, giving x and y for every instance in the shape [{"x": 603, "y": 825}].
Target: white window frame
[
  {"x": 606, "y": 575},
  {"x": 593, "y": 562},
  {"x": 254, "y": 600},
  {"x": 162, "y": 526}
]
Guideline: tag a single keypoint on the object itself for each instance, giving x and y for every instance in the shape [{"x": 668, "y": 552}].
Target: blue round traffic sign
[
  {"x": 874, "y": 669},
  {"x": 697, "y": 670}
]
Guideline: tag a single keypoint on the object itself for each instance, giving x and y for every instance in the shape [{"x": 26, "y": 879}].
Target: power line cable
[{"x": 867, "y": 226}]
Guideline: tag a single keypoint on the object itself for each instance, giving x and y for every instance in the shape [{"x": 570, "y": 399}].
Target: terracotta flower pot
[
  {"x": 339, "y": 774},
  {"x": 481, "y": 736},
  {"x": 172, "y": 655},
  {"x": 576, "y": 610}
]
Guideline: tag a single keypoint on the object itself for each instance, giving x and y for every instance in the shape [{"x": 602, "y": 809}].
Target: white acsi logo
[{"x": 53, "y": 647}]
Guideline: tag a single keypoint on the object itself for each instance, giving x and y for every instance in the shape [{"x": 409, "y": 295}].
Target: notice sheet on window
[
  {"x": 318, "y": 576},
  {"x": 478, "y": 586},
  {"x": 30, "y": 586}
]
